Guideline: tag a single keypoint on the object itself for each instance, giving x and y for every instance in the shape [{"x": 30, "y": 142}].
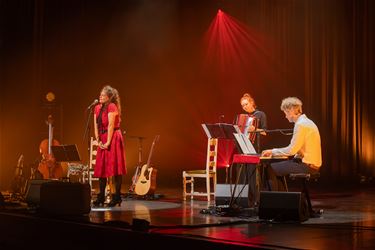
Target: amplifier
[
  {"x": 65, "y": 198},
  {"x": 223, "y": 195},
  {"x": 283, "y": 206}
]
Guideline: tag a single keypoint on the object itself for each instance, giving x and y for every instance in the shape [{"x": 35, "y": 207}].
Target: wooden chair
[
  {"x": 93, "y": 152},
  {"x": 92, "y": 162},
  {"x": 208, "y": 173}
]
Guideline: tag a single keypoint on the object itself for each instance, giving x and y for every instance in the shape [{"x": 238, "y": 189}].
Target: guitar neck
[
  {"x": 152, "y": 150},
  {"x": 149, "y": 156}
]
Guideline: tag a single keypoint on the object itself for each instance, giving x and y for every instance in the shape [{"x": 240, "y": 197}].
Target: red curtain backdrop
[{"x": 171, "y": 81}]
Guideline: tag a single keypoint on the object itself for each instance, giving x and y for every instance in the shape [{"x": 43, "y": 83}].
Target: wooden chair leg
[
  {"x": 184, "y": 188},
  {"x": 208, "y": 188},
  {"x": 192, "y": 188},
  {"x": 215, "y": 181}
]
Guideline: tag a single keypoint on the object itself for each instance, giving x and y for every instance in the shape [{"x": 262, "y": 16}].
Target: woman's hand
[
  {"x": 103, "y": 146},
  {"x": 251, "y": 128}
]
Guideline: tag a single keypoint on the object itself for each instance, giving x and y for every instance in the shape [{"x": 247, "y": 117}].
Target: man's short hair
[{"x": 291, "y": 103}]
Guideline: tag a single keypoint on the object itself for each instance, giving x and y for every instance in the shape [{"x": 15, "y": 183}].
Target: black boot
[
  {"x": 116, "y": 198},
  {"x": 100, "y": 197},
  {"x": 99, "y": 202}
]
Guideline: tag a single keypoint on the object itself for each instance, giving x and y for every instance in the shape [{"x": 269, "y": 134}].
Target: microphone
[{"x": 93, "y": 104}]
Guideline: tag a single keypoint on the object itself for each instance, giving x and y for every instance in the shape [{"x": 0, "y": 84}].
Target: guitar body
[
  {"x": 135, "y": 178},
  {"x": 146, "y": 182}
]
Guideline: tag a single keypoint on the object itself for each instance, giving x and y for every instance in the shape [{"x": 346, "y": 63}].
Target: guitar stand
[
  {"x": 154, "y": 196},
  {"x": 130, "y": 195},
  {"x": 138, "y": 167}
]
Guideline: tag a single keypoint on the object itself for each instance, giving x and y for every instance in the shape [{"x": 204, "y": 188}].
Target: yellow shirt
[{"x": 305, "y": 143}]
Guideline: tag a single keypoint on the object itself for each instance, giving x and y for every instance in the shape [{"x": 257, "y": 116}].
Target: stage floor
[{"x": 348, "y": 221}]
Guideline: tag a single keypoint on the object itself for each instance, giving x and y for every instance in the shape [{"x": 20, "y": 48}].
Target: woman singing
[{"x": 110, "y": 159}]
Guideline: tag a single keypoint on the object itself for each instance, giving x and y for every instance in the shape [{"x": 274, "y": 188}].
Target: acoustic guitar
[{"x": 146, "y": 182}]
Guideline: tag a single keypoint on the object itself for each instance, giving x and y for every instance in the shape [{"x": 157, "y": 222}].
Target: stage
[{"x": 168, "y": 222}]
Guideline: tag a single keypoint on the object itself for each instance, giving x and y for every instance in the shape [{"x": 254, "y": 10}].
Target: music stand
[
  {"x": 220, "y": 130},
  {"x": 223, "y": 131},
  {"x": 66, "y": 153}
]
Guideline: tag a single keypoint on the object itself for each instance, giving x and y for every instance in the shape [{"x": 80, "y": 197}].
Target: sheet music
[
  {"x": 242, "y": 144},
  {"x": 245, "y": 144},
  {"x": 249, "y": 145},
  {"x": 237, "y": 129}
]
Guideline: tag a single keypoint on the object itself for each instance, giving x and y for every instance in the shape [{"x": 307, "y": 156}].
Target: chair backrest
[
  {"x": 211, "y": 162},
  {"x": 93, "y": 152}
]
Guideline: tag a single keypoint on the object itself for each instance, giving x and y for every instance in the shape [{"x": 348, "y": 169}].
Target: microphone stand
[
  {"x": 87, "y": 136},
  {"x": 140, "y": 138}
]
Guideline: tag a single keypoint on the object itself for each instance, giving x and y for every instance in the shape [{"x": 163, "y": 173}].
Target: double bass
[{"x": 48, "y": 166}]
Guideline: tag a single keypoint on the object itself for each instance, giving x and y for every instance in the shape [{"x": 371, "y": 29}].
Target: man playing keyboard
[{"x": 305, "y": 146}]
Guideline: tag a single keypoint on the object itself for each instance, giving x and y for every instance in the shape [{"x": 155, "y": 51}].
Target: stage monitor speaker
[
  {"x": 223, "y": 195},
  {"x": 283, "y": 206},
  {"x": 140, "y": 225},
  {"x": 33, "y": 191},
  {"x": 2, "y": 200},
  {"x": 65, "y": 198}
]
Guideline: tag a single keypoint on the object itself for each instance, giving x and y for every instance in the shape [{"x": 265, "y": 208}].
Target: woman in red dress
[{"x": 110, "y": 159}]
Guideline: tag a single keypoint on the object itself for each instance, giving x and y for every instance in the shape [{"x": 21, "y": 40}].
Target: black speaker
[
  {"x": 283, "y": 206},
  {"x": 65, "y": 198},
  {"x": 33, "y": 191},
  {"x": 223, "y": 195},
  {"x": 2, "y": 200},
  {"x": 140, "y": 225}
]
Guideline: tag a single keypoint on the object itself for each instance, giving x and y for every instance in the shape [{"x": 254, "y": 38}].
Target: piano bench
[{"x": 305, "y": 177}]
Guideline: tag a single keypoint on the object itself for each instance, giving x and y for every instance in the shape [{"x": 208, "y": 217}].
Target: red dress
[{"x": 110, "y": 161}]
